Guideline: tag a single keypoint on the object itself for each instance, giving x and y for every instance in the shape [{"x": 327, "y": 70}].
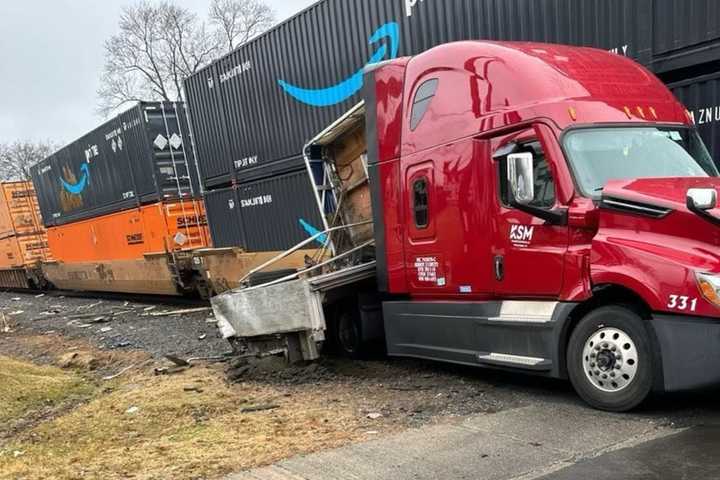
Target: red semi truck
[{"x": 541, "y": 208}]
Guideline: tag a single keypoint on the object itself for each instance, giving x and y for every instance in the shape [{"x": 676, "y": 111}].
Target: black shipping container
[
  {"x": 224, "y": 218},
  {"x": 701, "y": 96},
  {"x": 141, "y": 156},
  {"x": 246, "y": 114},
  {"x": 685, "y": 33},
  {"x": 272, "y": 214}
]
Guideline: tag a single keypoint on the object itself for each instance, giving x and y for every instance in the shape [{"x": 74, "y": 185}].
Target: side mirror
[
  {"x": 521, "y": 176},
  {"x": 702, "y": 199}
]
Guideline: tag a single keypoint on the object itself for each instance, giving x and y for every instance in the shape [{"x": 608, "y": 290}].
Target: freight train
[
  {"x": 120, "y": 211},
  {"x": 175, "y": 201}
]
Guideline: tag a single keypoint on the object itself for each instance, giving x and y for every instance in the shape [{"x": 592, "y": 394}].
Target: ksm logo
[{"x": 521, "y": 235}]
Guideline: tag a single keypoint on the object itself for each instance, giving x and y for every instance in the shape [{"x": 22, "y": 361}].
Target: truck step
[{"x": 515, "y": 361}]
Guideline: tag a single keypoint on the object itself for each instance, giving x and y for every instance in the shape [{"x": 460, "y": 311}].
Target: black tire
[
  {"x": 347, "y": 334},
  {"x": 587, "y": 383}
]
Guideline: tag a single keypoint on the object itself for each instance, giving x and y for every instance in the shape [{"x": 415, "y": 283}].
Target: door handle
[{"x": 499, "y": 268}]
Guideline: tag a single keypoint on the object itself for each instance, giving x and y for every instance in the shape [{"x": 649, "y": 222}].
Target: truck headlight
[{"x": 709, "y": 286}]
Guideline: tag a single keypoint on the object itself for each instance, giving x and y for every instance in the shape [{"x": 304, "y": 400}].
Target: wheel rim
[
  {"x": 347, "y": 334},
  {"x": 610, "y": 360}
]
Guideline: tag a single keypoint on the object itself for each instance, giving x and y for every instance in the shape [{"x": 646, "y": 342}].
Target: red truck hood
[
  {"x": 663, "y": 192},
  {"x": 650, "y": 216}
]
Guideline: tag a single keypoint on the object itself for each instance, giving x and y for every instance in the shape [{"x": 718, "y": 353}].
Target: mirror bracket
[{"x": 558, "y": 216}]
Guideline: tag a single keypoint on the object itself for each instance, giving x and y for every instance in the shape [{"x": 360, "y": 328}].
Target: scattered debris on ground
[{"x": 158, "y": 329}]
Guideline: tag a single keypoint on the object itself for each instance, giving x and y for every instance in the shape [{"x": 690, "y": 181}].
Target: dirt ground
[{"x": 97, "y": 408}]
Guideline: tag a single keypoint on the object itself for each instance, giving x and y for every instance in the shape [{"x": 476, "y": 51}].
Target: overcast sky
[{"x": 51, "y": 55}]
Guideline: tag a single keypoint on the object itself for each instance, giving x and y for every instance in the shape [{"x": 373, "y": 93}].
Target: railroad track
[{"x": 119, "y": 297}]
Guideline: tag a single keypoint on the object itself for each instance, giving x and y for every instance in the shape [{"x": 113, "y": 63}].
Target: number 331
[{"x": 683, "y": 303}]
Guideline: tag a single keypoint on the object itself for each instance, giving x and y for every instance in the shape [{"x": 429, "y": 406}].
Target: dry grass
[
  {"x": 175, "y": 433},
  {"x": 27, "y": 390}
]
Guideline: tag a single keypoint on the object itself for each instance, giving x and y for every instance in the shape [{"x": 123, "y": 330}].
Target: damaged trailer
[{"x": 341, "y": 271}]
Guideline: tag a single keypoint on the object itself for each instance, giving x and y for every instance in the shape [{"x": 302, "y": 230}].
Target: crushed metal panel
[{"x": 269, "y": 310}]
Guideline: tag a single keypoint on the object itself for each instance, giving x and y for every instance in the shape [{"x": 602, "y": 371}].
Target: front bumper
[{"x": 689, "y": 350}]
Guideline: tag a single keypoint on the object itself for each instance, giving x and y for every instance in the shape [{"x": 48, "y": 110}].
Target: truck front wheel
[{"x": 609, "y": 359}]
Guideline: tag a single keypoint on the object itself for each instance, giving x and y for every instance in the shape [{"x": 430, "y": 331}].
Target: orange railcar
[{"x": 133, "y": 251}]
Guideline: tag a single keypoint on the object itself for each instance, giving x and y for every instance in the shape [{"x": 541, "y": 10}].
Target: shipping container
[
  {"x": 701, "y": 96},
  {"x": 23, "y": 240},
  {"x": 140, "y": 157},
  {"x": 23, "y": 251},
  {"x": 270, "y": 214},
  {"x": 132, "y": 234},
  {"x": 686, "y": 33},
  {"x": 262, "y": 102},
  {"x": 19, "y": 210},
  {"x": 224, "y": 219}
]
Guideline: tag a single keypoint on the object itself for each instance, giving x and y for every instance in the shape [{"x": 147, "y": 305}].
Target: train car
[
  {"x": 141, "y": 250},
  {"x": 23, "y": 239},
  {"x": 124, "y": 212}
]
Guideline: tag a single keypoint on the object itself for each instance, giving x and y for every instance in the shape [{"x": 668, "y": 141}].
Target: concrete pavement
[{"x": 533, "y": 442}]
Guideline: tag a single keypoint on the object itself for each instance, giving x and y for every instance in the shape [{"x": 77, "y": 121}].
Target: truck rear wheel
[
  {"x": 348, "y": 336},
  {"x": 609, "y": 359}
]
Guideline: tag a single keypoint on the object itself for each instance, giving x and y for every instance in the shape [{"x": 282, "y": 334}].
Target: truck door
[
  {"x": 447, "y": 222},
  {"x": 528, "y": 252}
]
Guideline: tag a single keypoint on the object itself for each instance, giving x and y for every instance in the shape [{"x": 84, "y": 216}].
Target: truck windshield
[{"x": 599, "y": 155}]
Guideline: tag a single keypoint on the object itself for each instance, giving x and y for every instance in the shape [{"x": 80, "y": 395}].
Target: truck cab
[
  {"x": 520, "y": 206},
  {"x": 544, "y": 208}
]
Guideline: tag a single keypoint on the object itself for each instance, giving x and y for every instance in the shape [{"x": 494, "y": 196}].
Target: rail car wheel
[{"x": 609, "y": 359}]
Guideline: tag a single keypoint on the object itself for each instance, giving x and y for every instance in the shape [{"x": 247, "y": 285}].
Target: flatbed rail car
[{"x": 539, "y": 208}]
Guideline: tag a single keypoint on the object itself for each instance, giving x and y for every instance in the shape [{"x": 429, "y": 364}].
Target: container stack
[
  {"x": 125, "y": 191},
  {"x": 23, "y": 239},
  {"x": 254, "y": 110}
]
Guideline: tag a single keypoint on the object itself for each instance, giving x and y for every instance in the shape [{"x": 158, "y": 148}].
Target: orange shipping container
[
  {"x": 132, "y": 234},
  {"x": 24, "y": 251},
  {"x": 19, "y": 210}
]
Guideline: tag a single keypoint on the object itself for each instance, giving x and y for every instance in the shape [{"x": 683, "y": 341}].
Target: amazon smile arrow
[{"x": 340, "y": 92}]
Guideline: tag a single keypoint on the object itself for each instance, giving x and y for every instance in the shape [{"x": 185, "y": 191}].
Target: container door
[{"x": 528, "y": 252}]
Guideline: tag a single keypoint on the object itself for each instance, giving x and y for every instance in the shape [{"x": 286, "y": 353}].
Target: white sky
[{"x": 51, "y": 55}]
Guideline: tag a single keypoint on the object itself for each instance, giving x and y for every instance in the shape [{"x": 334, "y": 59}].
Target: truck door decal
[{"x": 340, "y": 92}]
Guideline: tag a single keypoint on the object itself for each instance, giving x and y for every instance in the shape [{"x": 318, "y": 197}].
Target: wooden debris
[
  {"x": 125, "y": 370},
  {"x": 180, "y": 312},
  {"x": 259, "y": 408},
  {"x": 177, "y": 361},
  {"x": 5, "y": 324},
  {"x": 171, "y": 370}
]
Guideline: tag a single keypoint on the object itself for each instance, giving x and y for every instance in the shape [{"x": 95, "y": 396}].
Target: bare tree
[
  {"x": 160, "y": 44},
  {"x": 240, "y": 20},
  {"x": 17, "y": 158}
]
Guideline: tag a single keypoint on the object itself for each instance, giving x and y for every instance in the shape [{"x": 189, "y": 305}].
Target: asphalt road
[{"x": 555, "y": 437}]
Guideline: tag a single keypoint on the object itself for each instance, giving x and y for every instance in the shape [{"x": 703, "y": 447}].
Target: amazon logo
[
  {"x": 332, "y": 95},
  {"x": 79, "y": 185}
]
